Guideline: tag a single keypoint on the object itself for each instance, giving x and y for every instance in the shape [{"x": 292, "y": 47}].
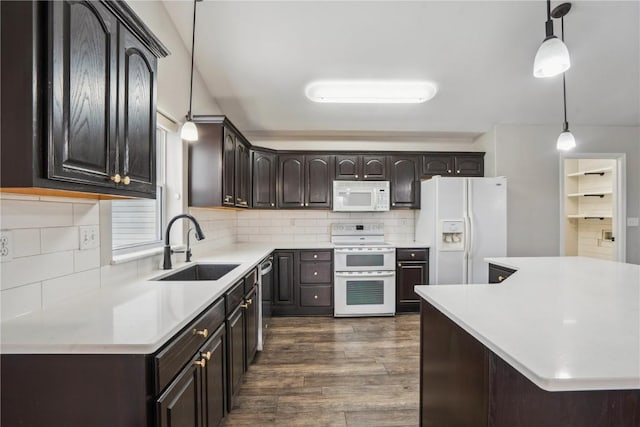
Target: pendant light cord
[
  {"x": 564, "y": 85},
  {"x": 193, "y": 43}
]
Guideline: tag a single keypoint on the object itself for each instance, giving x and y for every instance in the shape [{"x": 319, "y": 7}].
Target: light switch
[{"x": 89, "y": 237}]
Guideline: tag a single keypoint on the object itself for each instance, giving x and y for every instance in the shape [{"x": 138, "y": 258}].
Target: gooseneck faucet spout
[{"x": 166, "y": 265}]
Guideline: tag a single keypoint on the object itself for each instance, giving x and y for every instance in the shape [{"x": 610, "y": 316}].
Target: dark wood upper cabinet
[
  {"x": 318, "y": 181},
  {"x": 453, "y": 164},
  {"x": 78, "y": 99},
  {"x": 263, "y": 175},
  {"x": 291, "y": 181},
  {"x": 405, "y": 191},
  {"x": 219, "y": 165},
  {"x": 360, "y": 167},
  {"x": 137, "y": 113}
]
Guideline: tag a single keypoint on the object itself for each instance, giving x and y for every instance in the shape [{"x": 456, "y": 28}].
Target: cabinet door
[
  {"x": 241, "y": 174},
  {"x": 83, "y": 77},
  {"x": 469, "y": 165},
  {"x": 214, "y": 384},
  {"x": 228, "y": 167},
  {"x": 437, "y": 165},
  {"x": 404, "y": 182},
  {"x": 283, "y": 285},
  {"x": 348, "y": 167},
  {"x": 251, "y": 321},
  {"x": 137, "y": 106},
  {"x": 318, "y": 181},
  {"x": 181, "y": 403},
  {"x": 264, "y": 180},
  {"x": 409, "y": 274},
  {"x": 374, "y": 168},
  {"x": 290, "y": 181},
  {"x": 236, "y": 356}
]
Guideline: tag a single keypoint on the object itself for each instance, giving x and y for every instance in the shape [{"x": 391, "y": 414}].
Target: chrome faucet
[{"x": 167, "y": 247}]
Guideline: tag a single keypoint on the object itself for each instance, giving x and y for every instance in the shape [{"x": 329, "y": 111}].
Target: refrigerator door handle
[{"x": 465, "y": 265}]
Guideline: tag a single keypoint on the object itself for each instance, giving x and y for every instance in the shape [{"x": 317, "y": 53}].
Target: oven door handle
[
  {"x": 362, "y": 274},
  {"x": 358, "y": 251}
]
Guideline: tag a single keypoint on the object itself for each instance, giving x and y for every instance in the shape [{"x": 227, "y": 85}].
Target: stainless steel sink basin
[{"x": 200, "y": 272}]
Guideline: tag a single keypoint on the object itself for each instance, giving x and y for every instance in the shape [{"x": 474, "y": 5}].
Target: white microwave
[{"x": 360, "y": 196}]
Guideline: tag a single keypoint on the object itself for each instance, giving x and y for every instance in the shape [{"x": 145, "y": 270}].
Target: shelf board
[
  {"x": 599, "y": 170},
  {"x": 590, "y": 193},
  {"x": 589, "y": 216}
]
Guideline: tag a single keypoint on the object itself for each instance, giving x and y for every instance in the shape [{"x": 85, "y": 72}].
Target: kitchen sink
[{"x": 200, "y": 272}]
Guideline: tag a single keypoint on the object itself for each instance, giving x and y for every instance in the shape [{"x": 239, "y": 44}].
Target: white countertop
[
  {"x": 565, "y": 323},
  {"x": 136, "y": 318}
]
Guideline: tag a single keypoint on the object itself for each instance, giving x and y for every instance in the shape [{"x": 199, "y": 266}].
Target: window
[{"x": 137, "y": 224}]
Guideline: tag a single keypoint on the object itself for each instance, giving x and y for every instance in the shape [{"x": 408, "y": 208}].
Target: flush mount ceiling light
[
  {"x": 189, "y": 131},
  {"x": 552, "y": 57},
  {"x": 566, "y": 141},
  {"x": 371, "y": 91}
]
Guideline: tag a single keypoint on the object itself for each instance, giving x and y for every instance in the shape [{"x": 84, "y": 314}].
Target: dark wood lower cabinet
[
  {"x": 235, "y": 333},
  {"x": 412, "y": 269},
  {"x": 251, "y": 325},
  {"x": 498, "y": 273},
  {"x": 464, "y": 384},
  {"x": 181, "y": 403},
  {"x": 214, "y": 384}
]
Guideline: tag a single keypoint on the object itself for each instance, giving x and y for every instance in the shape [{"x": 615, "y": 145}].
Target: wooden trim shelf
[{"x": 591, "y": 171}]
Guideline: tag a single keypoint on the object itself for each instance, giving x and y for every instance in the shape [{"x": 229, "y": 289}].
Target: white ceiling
[{"x": 257, "y": 57}]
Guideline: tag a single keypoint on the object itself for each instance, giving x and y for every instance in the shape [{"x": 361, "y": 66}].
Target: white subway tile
[
  {"x": 26, "y": 242},
  {"x": 149, "y": 264},
  {"x": 55, "y": 290},
  {"x": 86, "y": 259},
  {"x": 59, "y": 239},
  {"x": 86, "y": 214},
  {"x": 21, "y": 300},
  {"x": 35, "y": 214},
  {"x": 31, "y": 269}
]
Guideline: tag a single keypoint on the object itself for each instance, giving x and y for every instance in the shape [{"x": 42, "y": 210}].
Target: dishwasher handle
[{"x": 266, "y": 267}]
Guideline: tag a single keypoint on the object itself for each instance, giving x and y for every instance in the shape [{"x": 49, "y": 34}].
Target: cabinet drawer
[
  {"x": 315, "y": 255},
  {"x": 234, "y": 296},
  {"x": 172, "y": 358},
  {"x": 316, "y": 296},
  {"x": 417, "y": 254},
  {"x": 315, "y": 272},
  {"x": 497, "y": 273},
  {"x": 250, "y": 280}
]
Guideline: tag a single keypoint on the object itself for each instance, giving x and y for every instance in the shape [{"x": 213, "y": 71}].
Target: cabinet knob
[
  {"x": 448, "y": 170},
  {"x": 244, "y": 305},
  {"x": 204, "y": 332},
  {"x": 315, "y": 297},
  {"x": 273, "y": 204},
  {"x": 500, "y": 278},
  {"x": 116, "y": 178},
  {"x": 365, "y": 176},
  {"x": 202, "y": 363},
  {"x": 393, "y": 204},
  {"x": 412, "y": 255},
  {"x": 315, "y": 273},
  {"x": 315, "y": 255},
  {"x": 250, "y": 301},
  {"x": 206, "y": 355},
  {"x": 356, "y": 175},
  {"x": 301, "y": 204},
  {"x": 457, "y": 171},
  {"x": 306, "y": 204},
  {"x": 126, "y": 180},
  {"x": 227, "y": 199},
  {"x": 399, "y": 265}
]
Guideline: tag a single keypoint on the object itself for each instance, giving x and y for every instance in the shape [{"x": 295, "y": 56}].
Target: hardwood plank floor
[{"x": 323, "y": 371}]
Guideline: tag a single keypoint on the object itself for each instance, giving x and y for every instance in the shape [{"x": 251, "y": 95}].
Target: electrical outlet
[
  {"x": 633, "y": 222},
  {"x": 89, "y": 237},
  {"x": 6, "y": 246}
]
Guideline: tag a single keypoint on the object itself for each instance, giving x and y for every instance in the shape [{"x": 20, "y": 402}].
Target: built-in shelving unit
[{"x": 589, "y": 203}]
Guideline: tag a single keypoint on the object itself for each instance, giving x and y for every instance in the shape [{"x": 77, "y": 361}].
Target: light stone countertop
[
  {"x": 565, "y": 323},
  {"x": 134, "y": 318}
]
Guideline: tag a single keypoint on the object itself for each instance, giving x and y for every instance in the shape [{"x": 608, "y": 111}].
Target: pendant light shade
[
  {"x": 189, "y": 131},
  {"x": 566, "y": 141},
  {"x": 552, "y": 58}
]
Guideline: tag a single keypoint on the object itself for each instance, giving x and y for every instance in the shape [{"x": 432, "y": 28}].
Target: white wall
[
  {"x": 173, "y": 71},
  {"x": 527, "y": 156},
  {"x": 487, "y": 143}
]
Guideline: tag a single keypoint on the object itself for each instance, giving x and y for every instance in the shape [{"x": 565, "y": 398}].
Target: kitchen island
[{"x": 555, "y": 344}]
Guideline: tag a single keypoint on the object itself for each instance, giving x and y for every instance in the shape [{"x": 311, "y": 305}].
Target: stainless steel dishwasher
[{"x": 266, "y": 296}]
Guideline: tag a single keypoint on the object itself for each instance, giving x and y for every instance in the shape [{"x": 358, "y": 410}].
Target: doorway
[{"x": 593, "y": 206}]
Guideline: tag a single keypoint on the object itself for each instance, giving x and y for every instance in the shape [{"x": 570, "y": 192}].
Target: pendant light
[
  {"x": 189, "y": 130},
  {"x": 566, "y": 141},
  {"x": 552, "y": 57}
]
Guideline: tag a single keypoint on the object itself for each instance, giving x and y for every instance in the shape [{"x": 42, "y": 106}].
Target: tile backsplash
[{"x": 46, "y": 264}]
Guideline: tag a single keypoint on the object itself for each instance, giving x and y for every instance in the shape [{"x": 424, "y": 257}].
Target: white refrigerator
[{"x": 463, "y": 221}]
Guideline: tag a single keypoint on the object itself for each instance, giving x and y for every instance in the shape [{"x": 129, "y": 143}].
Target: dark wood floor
[{"x": 321, "y": 371}]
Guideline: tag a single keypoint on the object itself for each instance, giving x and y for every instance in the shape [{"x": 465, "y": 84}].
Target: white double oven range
[{"x": 364, "y": 271}]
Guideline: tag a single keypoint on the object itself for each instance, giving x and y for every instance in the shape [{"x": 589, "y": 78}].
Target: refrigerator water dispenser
[{"x": 452, "y": 236}]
